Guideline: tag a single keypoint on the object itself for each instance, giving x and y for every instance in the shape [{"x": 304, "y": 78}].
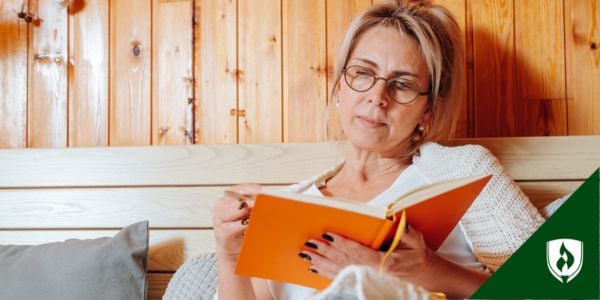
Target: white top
[{"x": 455, "y": 248}]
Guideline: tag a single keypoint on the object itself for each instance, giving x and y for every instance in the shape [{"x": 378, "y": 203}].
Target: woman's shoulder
[{"x": 439, "y": 161}]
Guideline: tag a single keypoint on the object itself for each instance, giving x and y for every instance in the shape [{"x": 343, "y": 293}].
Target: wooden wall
[{"x": 150, "y": 72}]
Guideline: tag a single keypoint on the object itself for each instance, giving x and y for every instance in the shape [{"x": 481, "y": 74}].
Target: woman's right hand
[{"x": 230, "y": 216}]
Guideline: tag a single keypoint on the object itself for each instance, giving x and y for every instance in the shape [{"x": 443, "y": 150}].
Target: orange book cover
[{"x": 281, "y": 222}]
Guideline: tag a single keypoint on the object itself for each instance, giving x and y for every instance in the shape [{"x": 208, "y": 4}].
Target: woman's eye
[
  {"x": 401, "y": 85},
  {"x": 361, "y": 73}
]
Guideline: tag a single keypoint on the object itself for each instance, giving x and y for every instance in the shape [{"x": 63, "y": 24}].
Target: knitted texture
[
  {"x": 196, "y": 279},
  {"x": 501, "y": 218}
]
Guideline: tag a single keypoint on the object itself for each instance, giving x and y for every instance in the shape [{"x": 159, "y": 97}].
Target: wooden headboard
[{"x": 54, "y": 194}]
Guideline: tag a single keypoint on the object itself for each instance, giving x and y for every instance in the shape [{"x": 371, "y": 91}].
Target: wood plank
[
  {"x": 47, "y": 82},
  {"x": 157, "y": 284},
  {"x": 88, "y": 74},
  {"x": 173, "y": 82},
  {"x": 169, "y": 249},
  {"x": 540, "y": 65},
  {"x": 544, "y": 158},
  {"x": 130, "y": 71},
  {"x": 165, "y": 165},
  {"x": 496, "y": 111},
  {"x": 13, "y": 76},
  {"x": 260, "y": 84},
  {"x": 304, "y": 71},
  {"x": 339, "y": 15},
  {"x": 458, "y": 9},
  {"x": 526, "y": 159},
  {"x": 541, "y": 193},
  {"x": 215, "y": 50},
  {"x": 582, "y": 44}
]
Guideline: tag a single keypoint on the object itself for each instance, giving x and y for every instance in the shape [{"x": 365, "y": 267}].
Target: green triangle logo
[{"x": 560, "y": 260}]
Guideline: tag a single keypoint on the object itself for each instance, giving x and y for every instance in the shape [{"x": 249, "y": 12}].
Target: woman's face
[{"x": 371, "y": 120}]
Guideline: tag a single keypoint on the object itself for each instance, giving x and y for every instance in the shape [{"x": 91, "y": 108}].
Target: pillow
[{"x": 102, "y": 268}]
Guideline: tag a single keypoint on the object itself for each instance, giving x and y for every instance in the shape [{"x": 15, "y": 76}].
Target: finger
[
  {"x": 357, "y": 252},
  {"x": 231, "y": 229},
  {"x": 326, "y": 250},
  {"x": 321, "y": 265},
  {"x": 411, "y": 238},
  {"x": 235, "y": 211}
]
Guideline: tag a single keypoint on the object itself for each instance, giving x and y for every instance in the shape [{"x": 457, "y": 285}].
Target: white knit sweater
[{"x": 500, "y": 219}]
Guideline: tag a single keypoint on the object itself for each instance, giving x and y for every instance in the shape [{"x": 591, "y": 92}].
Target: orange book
[{"x": 281, "y": 222}]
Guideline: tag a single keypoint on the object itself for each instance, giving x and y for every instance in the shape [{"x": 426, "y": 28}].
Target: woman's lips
[{"x": 366, "y": 121}]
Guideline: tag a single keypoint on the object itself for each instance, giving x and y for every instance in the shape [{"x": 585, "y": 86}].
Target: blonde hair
[{"x": 438, "y": 36}]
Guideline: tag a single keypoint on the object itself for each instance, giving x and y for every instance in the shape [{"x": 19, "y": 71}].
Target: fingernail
[
  {"x": 311, "y": 245},
  {"x": 245, "y": 221},
  {"x": 313, "y": 270},
  {"x": 304, "y": 256},
  {"x": 242, "y": 205},
  {"x": 327, "y": 237},
  {"x": 407, "y": 229}
]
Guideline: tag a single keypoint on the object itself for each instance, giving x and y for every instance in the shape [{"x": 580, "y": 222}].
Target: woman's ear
[{"x": 426, "y": 118}]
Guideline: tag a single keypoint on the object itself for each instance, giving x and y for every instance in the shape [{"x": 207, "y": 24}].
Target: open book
[{"x": 281, "y": 222}]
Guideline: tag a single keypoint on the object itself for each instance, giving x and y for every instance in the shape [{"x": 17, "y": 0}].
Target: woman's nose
[{"x": 378, "y": 93}]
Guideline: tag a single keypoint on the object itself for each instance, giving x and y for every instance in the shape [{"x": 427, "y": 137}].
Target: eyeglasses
[{"x": 401, "y": 90}]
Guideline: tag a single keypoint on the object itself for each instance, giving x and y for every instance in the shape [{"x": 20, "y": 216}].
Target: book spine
[{"x": 383, "y": 233}]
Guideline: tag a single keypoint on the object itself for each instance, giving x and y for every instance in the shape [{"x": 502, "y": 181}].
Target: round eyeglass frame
[{"x": 375, "y": 78}]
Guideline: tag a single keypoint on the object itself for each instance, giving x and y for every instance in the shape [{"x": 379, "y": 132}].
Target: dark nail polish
[
  {"x": 313, "y": 270},
  {"x": 304, "y": 256},
  {"x": 327, "y": 237},
  {"x": 242, "y": 205},
  {"x": 407, "y": 229},
  {"x": 311, "y": 245},
  {"x": 245, "y": 221}
]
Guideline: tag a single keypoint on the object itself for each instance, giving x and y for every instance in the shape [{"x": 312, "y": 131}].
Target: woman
[{"x": 396, "y": 93}]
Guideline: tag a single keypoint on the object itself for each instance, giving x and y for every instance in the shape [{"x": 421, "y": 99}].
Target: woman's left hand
[{"x": 411, "y": 259}]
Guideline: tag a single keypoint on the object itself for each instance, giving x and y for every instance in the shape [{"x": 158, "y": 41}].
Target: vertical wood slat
[
  {"x": 259, "y": 58},
  {"x": 459, "y": 12},
  {"x": 540, "y": 65},
  {"x": 172, "y": 81},
  {"x": 340, "y": 14},
  {"x": 47, "y": 77},
  {"x": 304, "y": 70},
  {"x": 216, "y": 71},
  {"x": 88, "y": 74},
  {"x": 130, "y": 26},
  {"x": 13, "y": 76},
  {"x": 582, "y": 43},
  {"x": 496, "y": 111}
]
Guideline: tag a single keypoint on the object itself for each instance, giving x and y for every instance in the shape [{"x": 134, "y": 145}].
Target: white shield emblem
[{"x": 564, "y": 258}]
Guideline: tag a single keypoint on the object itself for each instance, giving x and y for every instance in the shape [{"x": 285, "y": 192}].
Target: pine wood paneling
[
  {"x": 47, "y": 83},
  {"x": 88, "y": 74},
  {"x": 216, "y": 71},
  {"x": 130, "y": 29},
  {"x": 172, "y": 81},
  {"x": 540, "y": 66},
  {"x": 340, "y": 14},
  {"x": 13, "y": 76},
  {"x": 458, "y": 9},
  {"x": 259, "y": 58},
  {"x": 497, "y": 112},
  {"x": 304, "y": 70},
  {"x": 582, "y": 37}
]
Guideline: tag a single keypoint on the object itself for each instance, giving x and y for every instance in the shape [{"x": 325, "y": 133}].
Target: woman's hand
[
  {"x": 230, "y": 217},
  {"x": 411, "y": 259}
]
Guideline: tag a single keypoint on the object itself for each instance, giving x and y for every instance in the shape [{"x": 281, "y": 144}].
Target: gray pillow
[{"x": 103, "y": 268}]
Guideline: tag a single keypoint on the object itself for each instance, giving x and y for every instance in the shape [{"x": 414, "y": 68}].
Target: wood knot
[{"x": 594, "y": 46}]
